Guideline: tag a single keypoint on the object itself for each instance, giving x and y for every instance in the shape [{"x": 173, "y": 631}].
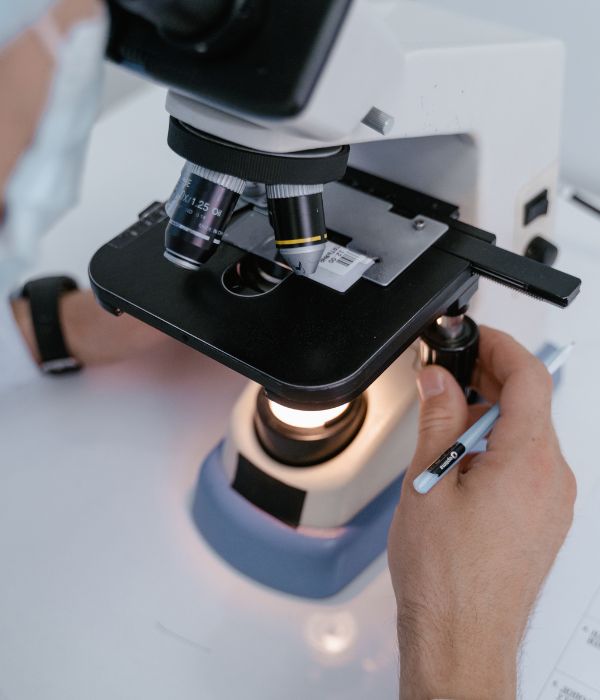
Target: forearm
[
  {"x": 467, "y": 684},
  {"x": 92, "y": 335},
  {"x": 460, "y": 666}
]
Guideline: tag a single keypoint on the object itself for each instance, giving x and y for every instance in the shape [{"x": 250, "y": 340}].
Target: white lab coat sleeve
[{"x": 16, "y": 364}]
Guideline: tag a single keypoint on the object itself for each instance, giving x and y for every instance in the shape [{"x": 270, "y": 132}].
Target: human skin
[
  {"x": 468, "y": 559},
  {"x": 26, "y": 70},
  {"x": 92, "y": 335}
]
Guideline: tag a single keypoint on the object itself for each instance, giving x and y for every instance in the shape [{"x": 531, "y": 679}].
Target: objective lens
[
  {"x": 297, "y": 218},
  {"x": 302, "y": 438},
  {"x": 199, "y": 210}
]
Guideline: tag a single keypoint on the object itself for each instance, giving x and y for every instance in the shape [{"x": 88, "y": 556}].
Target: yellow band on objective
[{"x": 295, "y": 241}]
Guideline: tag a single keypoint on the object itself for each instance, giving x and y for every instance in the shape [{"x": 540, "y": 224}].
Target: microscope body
[
  {"x": 470, "y": 111},
  {"x": 446, "y": 117}
]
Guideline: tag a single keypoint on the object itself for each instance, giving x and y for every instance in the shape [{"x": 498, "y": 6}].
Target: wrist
[
  {"x": 91, "y": 335},
  {"x": 456, "y": 664},
  {"x": 96, "y": 337},
  {"x": 77, "y": 313},
  {"x": 22, "y": 316},
  {"x": 40, "y": 317}
]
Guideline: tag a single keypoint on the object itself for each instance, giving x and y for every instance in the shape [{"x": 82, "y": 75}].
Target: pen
[{"x": 426, "y": 480}]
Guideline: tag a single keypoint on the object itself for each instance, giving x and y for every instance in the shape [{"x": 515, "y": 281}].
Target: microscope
[{"x": 351, "y": 170}]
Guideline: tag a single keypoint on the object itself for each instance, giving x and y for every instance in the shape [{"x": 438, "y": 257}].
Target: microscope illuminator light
[
  {"x": 305, "y": 419},
  {"x": 303, "y": 438}
]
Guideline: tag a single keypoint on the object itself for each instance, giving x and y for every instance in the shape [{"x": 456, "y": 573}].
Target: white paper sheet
[{"x": 561, "y": 655}]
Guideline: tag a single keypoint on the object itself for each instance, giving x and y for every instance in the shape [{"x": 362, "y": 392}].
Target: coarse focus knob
[
  {"x": 452, "y": 345},
  {"x": 542, "y": 250}
]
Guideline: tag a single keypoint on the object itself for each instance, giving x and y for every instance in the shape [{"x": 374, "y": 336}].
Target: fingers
[
  {"x": 501, "y": 355},
  {"x": 485, "y": 383},
  {"x": 508, "y": 373},
  {"x": 443, "y": 417}
]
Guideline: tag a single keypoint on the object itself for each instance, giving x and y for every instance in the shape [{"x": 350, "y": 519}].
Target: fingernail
[{"x": 430, "y": 383}]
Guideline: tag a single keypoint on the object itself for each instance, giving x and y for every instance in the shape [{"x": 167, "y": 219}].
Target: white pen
[{"x": 426, "y": 480}]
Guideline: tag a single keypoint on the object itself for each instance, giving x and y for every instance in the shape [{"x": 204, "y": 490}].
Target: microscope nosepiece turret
[{"x": 214, "y": 176}]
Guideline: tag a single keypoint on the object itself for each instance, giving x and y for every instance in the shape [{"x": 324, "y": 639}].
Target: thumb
[{"x": 443, "y": 417}]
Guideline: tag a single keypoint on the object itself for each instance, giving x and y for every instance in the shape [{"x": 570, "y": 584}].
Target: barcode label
[
  {"x": 340, "y": 260},
  {"x": 346, "y": 259}
]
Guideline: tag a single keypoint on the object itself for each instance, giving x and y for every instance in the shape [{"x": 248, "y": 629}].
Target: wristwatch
[{"x": 43, "y": 295}]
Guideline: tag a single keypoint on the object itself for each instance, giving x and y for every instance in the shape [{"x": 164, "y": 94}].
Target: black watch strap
[{"x": 43, "y": 295}]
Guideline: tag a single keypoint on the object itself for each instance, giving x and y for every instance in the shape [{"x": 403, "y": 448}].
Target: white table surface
[{"x": 106, "y": 588}]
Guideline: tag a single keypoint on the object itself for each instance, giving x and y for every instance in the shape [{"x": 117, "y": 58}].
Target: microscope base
[{"x": 311, "y": 563}]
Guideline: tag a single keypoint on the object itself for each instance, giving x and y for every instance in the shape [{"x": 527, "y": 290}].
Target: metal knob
[{"x": 379, "y": 121}]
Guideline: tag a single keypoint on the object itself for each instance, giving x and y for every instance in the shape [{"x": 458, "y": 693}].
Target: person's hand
[
  {"x": 92, "y": 335},
  {"x": 468, "y": 559}
]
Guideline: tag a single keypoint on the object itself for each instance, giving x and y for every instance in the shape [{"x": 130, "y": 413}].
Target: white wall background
[
  {"x": 119, "y": 84},
  {"x": 577, "y": 23}
]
